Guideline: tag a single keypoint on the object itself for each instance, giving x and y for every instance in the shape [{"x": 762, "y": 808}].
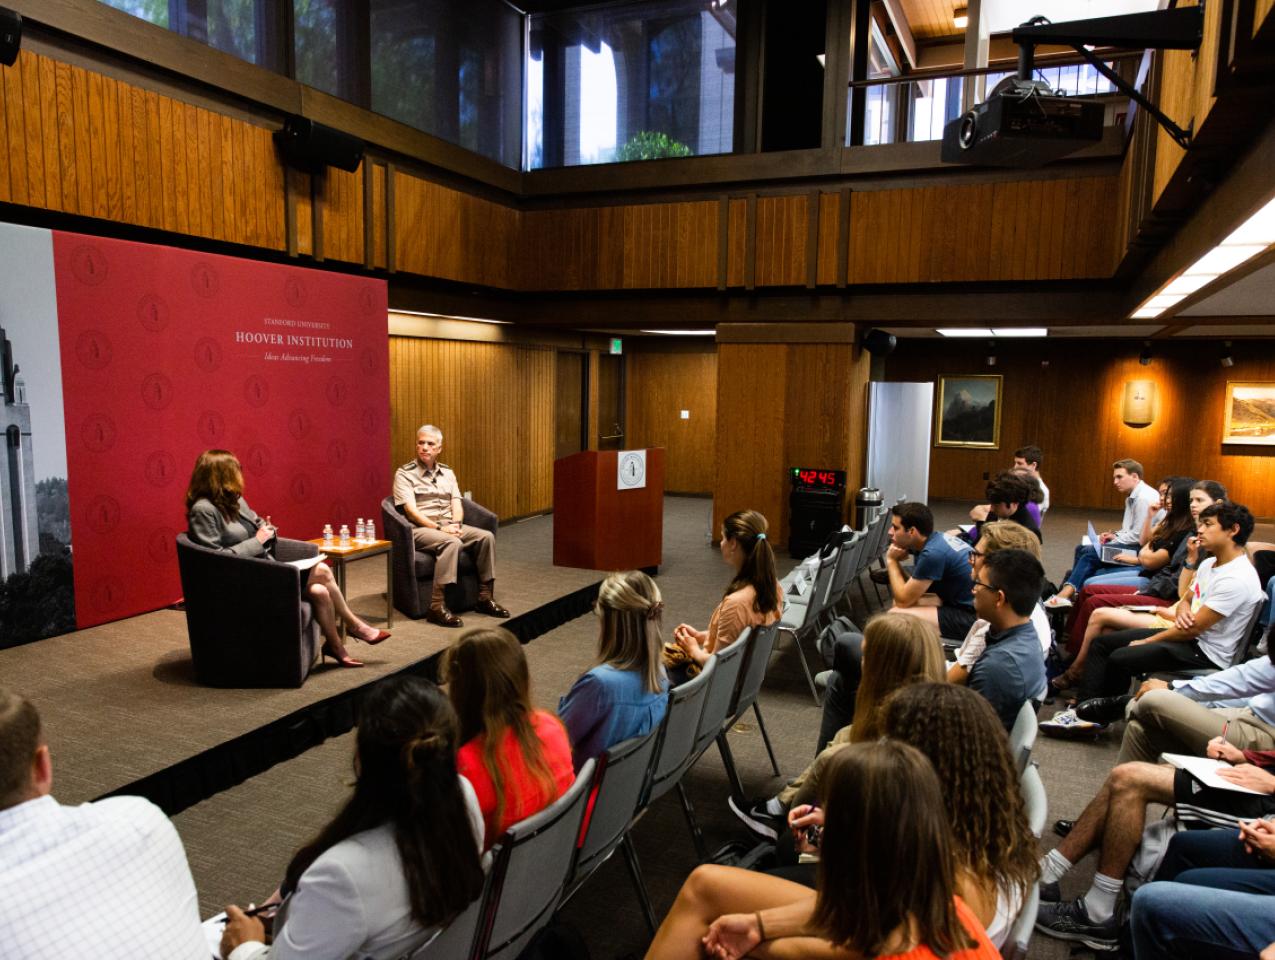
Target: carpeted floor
[{"x": 239, "y": 841}]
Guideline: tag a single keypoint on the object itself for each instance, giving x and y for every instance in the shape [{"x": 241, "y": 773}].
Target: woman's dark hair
[
  {"x": 1214, "y": 489},
  {"x": 748, "y": 528},
  {"x": 490, "y": 686},
  {"x": 218, "y": 479},
  {"x": 406, "y": 776},
  {"x": 959, "y": 732},
  {"x": 887, "y": 856},
  {"x": 1177, "y": 521}
]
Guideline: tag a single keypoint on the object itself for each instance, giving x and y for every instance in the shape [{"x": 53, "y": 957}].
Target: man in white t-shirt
[
  {"x": 1028, "y": 458},
  {"x": 1210, "y": 624},
  {"x": 106, "y": 880}
]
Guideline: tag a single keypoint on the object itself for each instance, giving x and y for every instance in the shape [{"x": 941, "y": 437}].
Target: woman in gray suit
[
  {"x": 399, "y": 861},
  {"x": 219, "y": 517}
]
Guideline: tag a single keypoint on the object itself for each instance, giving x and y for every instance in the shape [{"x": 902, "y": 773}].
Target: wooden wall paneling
[
  {"x": 27, "y": 89},
  {"x": 80, "y": 159},
  {"x": 781, "y": 249},
  {"x": 826, "y": 242},
  {"x": 124, "y": 151},
  {"x": 367, "y": 178},
  {"x": 750, "y": 243},
  {"x": 658, "y": 386},
  {"x": 723, "y": 242},
  {"x": 6, "y": 160},
  {"x": 738, "y": 242},
  {"x": 343, "y": 215},
  {"x": 843, "y": 237},
  {"x": 1072, "y": 409},
  {"x": 15, "y": 131},
  {"x": 51, "y": 132},
  {"x": 813, "y": 210},
  {"x": 303, "y": 210}
]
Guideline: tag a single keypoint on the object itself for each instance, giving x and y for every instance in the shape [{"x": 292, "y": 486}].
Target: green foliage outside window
[{"x": 651, "y": 145}]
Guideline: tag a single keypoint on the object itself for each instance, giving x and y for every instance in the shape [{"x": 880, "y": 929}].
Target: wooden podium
[{"x": 598, "y": 525}]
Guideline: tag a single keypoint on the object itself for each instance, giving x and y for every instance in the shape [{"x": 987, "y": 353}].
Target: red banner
[{"x": 166, "y": 353}]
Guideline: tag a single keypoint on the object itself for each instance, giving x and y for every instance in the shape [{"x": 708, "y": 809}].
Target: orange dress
[{"x": 982, "y": 949}]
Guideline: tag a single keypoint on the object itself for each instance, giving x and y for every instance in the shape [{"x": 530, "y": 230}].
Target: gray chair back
[
  {"x": 456, "y": 940},
  {"x": 847, "y": 567},
  {"x": 1023, "y": 737},
  {"x": 622, "y": 776},
  {"x": 677, "y": 735},
  {"x": 1020, "y": 934},
  {"x": 1034, "y": 798},
  {"x": 531, "y": 864},
  {"x": 882, "y": 529},
  {"x": 760, "y": 646},
  {"x": 721, "y": 691}
]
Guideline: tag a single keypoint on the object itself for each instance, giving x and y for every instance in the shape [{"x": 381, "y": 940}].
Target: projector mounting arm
[{"x": 1181, "y": 28}]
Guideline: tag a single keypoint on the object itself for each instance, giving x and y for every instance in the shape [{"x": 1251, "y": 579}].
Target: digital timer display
[{"x": 819, "y": 479}]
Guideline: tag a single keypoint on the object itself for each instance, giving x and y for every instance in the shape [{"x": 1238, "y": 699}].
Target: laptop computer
[{"x": 1107, "y": 552}]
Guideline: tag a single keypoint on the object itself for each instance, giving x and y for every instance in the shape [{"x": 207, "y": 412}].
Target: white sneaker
[
  {"x": 1065, "y": 723},
  {"x": 1057, "y": 602}
]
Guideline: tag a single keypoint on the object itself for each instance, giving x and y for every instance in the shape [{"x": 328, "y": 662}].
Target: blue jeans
[
  {"x": 1085, "y": 563},
  {"x": 1132, "y": 577},
  {"x": 1216, "y": 859},
  {"x": 1182, "y": 920}
]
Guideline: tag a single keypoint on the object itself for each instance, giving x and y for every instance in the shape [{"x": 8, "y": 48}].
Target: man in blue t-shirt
[
  {"x": 1011, "y": 670},
  {"x": 939, "y": 590}
]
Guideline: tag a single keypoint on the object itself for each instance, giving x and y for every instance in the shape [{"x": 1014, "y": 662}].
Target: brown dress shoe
[
  {"x": 443, "y": 617},
  {"x": 491, "y": 608}
]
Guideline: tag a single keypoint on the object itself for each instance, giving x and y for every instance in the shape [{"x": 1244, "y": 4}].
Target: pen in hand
[{"x": 258, "y": 911}]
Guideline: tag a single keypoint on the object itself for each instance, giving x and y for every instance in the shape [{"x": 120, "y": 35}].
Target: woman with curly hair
[
  {"x": 887, "y": 879},
  {"x": 994, "y": 847}
]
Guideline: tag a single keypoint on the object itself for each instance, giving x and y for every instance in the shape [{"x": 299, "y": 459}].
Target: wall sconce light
[
  {"x": 991, "y": 353},
  {"x": 1138, "y": 409},
  {"x": 1227, "y": 359},
  {"x": 960, "y": 18},
  {"x": 1144, "y": 357}
]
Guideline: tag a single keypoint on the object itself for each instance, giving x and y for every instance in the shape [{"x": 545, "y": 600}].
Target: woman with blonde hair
[
  {"x": 517, "y": 758},
  {"x": 625, "y": 694},
  {"x": 219, "y": 518},
  {"x": 897, "y": 651},
  {"x": 753, "y": 599}
]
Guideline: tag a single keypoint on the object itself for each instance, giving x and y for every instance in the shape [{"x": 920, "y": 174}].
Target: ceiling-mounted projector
[{"x": 1022, "y": 124}]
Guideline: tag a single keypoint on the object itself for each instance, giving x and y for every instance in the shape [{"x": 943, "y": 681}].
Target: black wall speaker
[
  {"x": 10, "y": 36},
  {"x": 312, "y": 146},
  {"x": 879, "y": 343}
]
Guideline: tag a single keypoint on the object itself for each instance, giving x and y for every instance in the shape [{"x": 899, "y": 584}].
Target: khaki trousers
[
  {"x": 446, "y": 550},
  {"x": 1162, "y": 721},
  {"x": 805, "y": 787}
]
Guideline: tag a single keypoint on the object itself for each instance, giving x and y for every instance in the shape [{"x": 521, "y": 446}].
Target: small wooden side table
[{"x": 338, "y": 557}]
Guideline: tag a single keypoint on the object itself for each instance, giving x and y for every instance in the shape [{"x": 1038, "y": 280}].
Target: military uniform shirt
[{"x": 431, "y": 491}]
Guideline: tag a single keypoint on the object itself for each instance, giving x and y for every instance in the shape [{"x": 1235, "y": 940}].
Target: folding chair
[
  {"x": 1034, "y": 798},
  {"x": 799, "y": 619},
  {"x": 1020, "y": 934},
  {"x": 1023, "y": 737},
  {"x": 760, "y": 645}
]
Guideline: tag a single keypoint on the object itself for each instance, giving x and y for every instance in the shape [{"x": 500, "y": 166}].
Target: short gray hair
[{"x": 432, "y": 430}]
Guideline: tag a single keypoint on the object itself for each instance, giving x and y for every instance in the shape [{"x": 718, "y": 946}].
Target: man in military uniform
[{"x": 430, "y": 498}]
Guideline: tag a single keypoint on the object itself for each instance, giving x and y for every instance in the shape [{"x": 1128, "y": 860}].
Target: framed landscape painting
[
  {"x": 969, "y": 411},
  {"x": 1249, "y": 413}
]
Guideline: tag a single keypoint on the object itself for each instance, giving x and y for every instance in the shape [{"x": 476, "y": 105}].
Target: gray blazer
[{"x": 210, "y": 529}]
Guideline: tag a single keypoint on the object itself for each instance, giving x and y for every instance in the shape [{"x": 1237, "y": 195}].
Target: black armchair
[
  {"x": 247, "y": 621},
  {"x": 414, "y": 571}
]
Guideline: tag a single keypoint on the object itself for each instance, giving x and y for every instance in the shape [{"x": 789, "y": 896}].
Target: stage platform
[{"x": 123, "y": 713}]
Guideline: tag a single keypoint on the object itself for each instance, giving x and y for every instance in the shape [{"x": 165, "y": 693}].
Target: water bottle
[
  {"x": 345, "y": 535},
  {"x": 327, "y": 534},
  {"x": 370, "y": 531},
  {"x": 360, "y": 531}
]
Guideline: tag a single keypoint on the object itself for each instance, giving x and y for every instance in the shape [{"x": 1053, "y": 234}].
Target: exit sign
[{"x": 617, "y": 345}]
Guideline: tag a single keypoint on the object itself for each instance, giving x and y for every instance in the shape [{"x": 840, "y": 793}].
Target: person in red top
[
  {"x": 886, "y": 884},
  {"x": 518, "y": 759}
]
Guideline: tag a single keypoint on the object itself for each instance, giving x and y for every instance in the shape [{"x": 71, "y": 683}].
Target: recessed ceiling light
[
  {"x": 681, "y": 333},
  {"x": 963, "y": 331},
  {"x": 1020, "y": 331},
  {"x": 1145, "y": 313},
  {"x": 1259, "y": 228},
  {"x": 960, "y": 18},
  {"x": 1221, "y": 259},
  {"x": 448, "y": 316},
  {"x": 1188, "y": 284}
]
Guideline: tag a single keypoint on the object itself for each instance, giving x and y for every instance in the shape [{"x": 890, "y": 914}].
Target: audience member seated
[
  {"x": 1029, "y": 458},
  {"x": 887, "y": 880},
  {"x": 104, "y": 879},
  {"x": 1164, "y": 587},
  {"x": 753, "y": 599},
  {"x": 625, "y": 694},
  {"x": 1126, "y": 477},
  {"x": 517, "y": 758},
  {"x": 1113, "y": 822},
  {"x": 400, "y": 859},
  {"x": 1159, "y": 540},
  {"x": 1011, "y": 670},
  {"x": 894, "y": 651},
  {"x": 220, "y": 518},
  {"x": 964, "y": 740},
  {"x": 1036, "y": 495},
  {"x": 939, "y": 590},
  {"x": 1211, "y": 896},
  {"x": 427, "y": 493},
  {"x": 1182, "y": 716},
  {"x": 1008, "y": 498},
  {"x": 1000, "y": 535},
  {"x": 1209, "y": 626}
]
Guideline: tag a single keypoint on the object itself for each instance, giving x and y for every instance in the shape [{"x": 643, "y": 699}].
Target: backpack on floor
[
  {"x": 826, "y": 642},
  {"x": 746, "y": 854}
]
